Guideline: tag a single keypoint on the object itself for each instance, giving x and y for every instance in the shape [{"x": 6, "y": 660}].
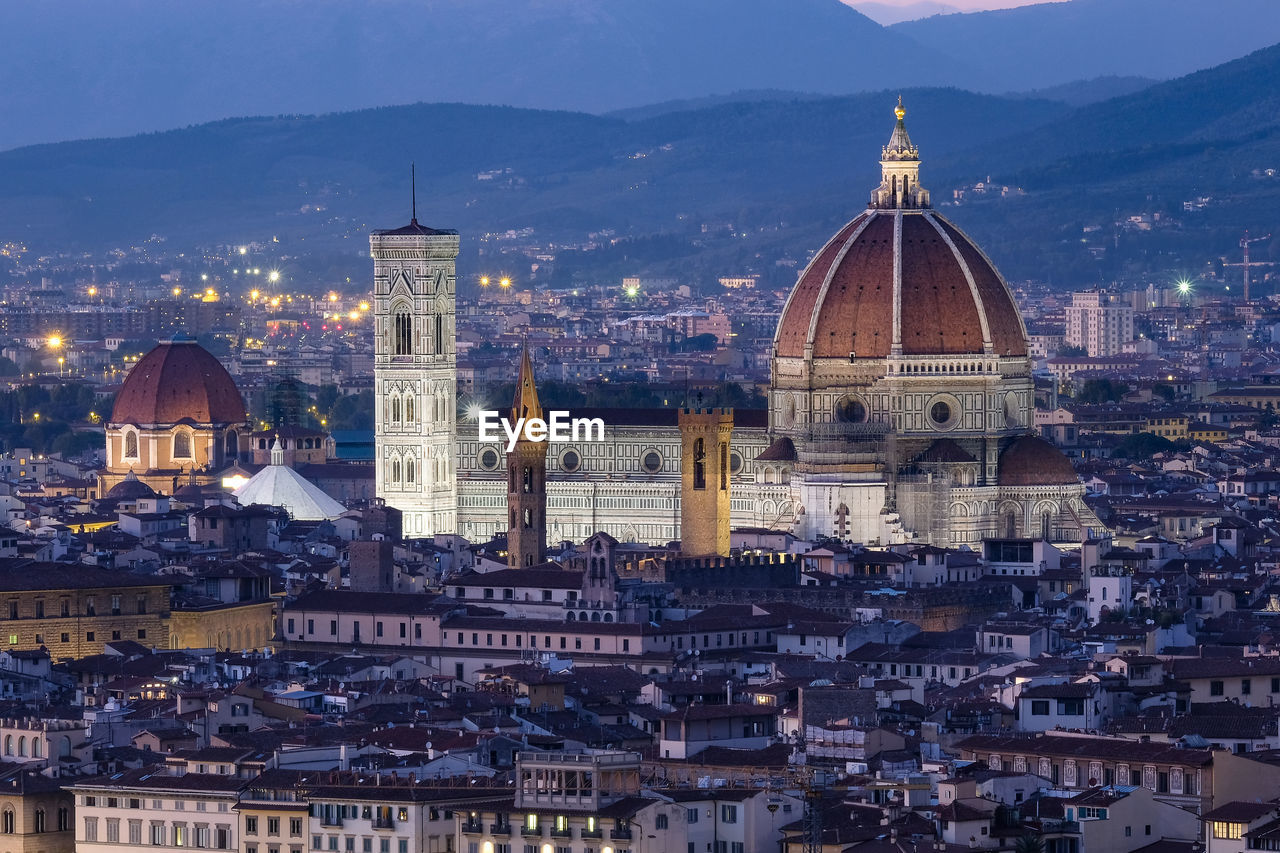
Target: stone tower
[
  {"x": 414, "y": 371},
  {"x": 526, "y": 478},
  {"x": 705, "y": 475}
]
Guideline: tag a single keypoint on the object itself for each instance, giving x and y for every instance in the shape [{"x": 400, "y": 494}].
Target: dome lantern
[{"x": 900, "y": 170}]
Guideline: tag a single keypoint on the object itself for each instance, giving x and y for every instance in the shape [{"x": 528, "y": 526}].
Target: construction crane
[{"x": 1244, "y": 244}]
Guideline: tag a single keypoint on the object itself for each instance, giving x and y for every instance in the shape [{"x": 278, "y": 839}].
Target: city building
[{"x": 1098, "y": 324}]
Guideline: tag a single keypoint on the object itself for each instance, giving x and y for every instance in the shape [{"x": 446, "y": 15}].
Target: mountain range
[
  {"x": 84, "y": 68},
  {"x": 776, "y": 173}
]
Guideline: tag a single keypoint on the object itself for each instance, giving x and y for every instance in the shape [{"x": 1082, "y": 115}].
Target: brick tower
[
  {"x": 526, "y": 478},
  {"x": 705, "y": 475}
]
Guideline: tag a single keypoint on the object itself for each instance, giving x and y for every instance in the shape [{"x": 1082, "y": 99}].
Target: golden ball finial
[{"x": 899, "y": 110}]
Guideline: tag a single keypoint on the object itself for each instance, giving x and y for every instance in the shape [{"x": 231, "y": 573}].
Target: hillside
[
  {"x": 768, "y": 179},
  {"x": 333, "y": 177},
  {"x": 171, "y": 64},
  {"x": 165, "y": 64},
  {"x": 1048, "y": 44},
  {"x": 1201, "y": 136}
]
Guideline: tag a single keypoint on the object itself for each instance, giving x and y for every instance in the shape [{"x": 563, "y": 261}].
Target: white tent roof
[{"x": 279, "y": 485}]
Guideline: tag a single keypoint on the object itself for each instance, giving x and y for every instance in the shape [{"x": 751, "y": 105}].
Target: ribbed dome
[
  {"x": 179, "y": 380},
  {"x": 950, "y": 299},
  {"x": 130, "y": 489},
  {"x": 1032, "y": 461}
]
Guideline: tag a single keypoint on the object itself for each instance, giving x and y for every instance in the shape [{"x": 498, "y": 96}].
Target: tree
[
  {"x": 1029, "y": 844},
  {"x": 1101, "y": 391},
  {"x": 1071, "y": 351},
  {"x": 1142, "y": 445},
  {"x": 698, "y": 343}
]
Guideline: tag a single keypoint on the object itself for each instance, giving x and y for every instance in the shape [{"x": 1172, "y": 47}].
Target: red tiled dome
[
  {"x": 178, "y": 380},
  {"x": 1032, "y": 461},
  {"x": 952, "y": 299}
]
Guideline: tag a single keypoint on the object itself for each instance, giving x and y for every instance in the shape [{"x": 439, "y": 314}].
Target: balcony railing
[
  {"x": 330, "y": 820},
  {"x": 472, "y": 826},
  {"x": 591, "y": 833},
  {"x": 567, "y": 832},
  {"x": 622, "y": 833},
  {"x": 531, "y": 832},
  {"x": 500, "y": 829},
  {"x": 385, "y": 823}
]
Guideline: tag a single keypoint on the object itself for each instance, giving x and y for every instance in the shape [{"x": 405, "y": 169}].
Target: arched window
[
  {"x": 64, "y": 748},
  {"x": 37, "y": 750},
  {"x": 40, "y": 825},
  {"x": 724, "y": 467},
  {"x": 6, "y": 821},
  {"x": 182, "y": 444},
  {"x": 528, "y": 479},
  {"x": 528, "y": 517},
  {"x": 699, "y": 464},
  {"x": 395, "y": 410},
  {"x": 409, "y": 471},
  {"x": 232, "y": 445},
  {"x": 130, "y": 445},
  {"x": 395, "y": 471},
  {"x": 439, "y": 334},
  {"x": 8, "y": 744},
  {"x": 22, "y": 746},
  {"x": 402, "y": 334},
  {"x": 408, "y": 409}
]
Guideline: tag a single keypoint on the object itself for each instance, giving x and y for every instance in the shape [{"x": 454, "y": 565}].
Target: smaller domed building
[{"x": 178, "y": 412}]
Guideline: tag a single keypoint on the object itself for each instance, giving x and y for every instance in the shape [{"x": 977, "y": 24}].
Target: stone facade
[
  {"x": 415, "y": 375},
  {"x": 74, "y": 610},
  {"x": 233, "y": 627}
]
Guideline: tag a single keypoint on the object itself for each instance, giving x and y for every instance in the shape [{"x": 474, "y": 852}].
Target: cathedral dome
[
  {"x": 904, "y": 282},
  {"x": 1032, "y": 461},
  {"x": 899, "y": 280},
  {"x": 179, "y": 380}
]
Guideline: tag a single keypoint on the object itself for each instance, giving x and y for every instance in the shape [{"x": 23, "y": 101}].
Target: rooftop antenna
[{"x": 413, "y": 189}]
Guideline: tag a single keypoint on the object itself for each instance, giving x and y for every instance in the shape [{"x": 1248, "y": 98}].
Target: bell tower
[
  {"x": 526, "y": 477},
  {"x": 705, "y": 475},
  {"x": 415, "y": 374}
]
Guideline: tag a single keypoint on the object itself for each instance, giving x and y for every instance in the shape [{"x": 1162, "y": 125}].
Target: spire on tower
[
  {"x": 526, "y": 404},
  {"x": 900, "y": 169},
  {"x": 413, "y": 191}
]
